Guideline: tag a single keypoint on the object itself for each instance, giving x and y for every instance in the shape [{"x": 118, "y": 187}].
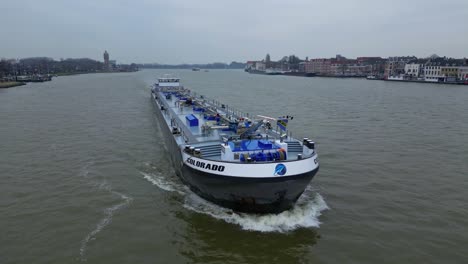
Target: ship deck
[
  {"x": 208, "y": 141},
  {"x": 193, "y": 134}
]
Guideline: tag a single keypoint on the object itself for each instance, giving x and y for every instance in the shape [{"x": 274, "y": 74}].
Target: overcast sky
[{"x": 177, "y": 31}]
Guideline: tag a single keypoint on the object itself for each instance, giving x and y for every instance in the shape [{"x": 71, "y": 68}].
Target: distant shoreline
[
  {"x": 10, "y": 84},
  {"x": 78, "y": 73}
]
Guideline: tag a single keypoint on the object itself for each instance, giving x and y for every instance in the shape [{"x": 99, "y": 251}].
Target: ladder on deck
[
  {"x": 211, "y": 150},
  {"x": 294, "y": 146}
]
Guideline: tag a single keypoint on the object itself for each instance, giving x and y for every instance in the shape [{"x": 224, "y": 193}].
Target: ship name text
[{"x": 206, "y": 166}]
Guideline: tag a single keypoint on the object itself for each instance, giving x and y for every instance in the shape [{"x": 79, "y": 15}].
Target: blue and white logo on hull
[{"x": 280, "y": 170}]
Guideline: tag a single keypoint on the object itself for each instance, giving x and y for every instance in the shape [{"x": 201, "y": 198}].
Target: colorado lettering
[{"x": 206, "y": 166}]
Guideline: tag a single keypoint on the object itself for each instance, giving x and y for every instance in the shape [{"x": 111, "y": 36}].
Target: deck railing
[{"x": 221, "y": 108}]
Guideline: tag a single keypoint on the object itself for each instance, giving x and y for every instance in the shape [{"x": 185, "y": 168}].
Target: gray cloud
[{"x": 206, "y": 31}]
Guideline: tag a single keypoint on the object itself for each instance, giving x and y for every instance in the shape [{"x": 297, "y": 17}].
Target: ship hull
[
  {"x": 171, "y": 145},
  {"x": 251, "y": 195}
]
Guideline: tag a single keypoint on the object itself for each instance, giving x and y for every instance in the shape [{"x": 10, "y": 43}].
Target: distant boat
[
  {"x": 206, "y": 70},
  {"x": 273, "y": 72},
  {"x": 371, "y": 77},
  {"x": 254, "y": 71},
  {"x": 396, "y": 78},
  {"x": 195, "y": 69},
  {"x": 300, "y": 74}
]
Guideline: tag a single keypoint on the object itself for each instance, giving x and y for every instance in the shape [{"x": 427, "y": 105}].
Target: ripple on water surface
[{"x": 108, "y": 211}]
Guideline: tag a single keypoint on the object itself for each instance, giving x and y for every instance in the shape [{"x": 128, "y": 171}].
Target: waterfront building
[
  {"x": 338, "y": 57},
  {"x": 341, "y": 66},
  {"x": 463, "y": 73},
  {"x": 450, "y": 73},
  {"x": 396, "y": 65},
  {"x": 106, "y": 61},
  {"x": 438, "y": 73},
  {"x": 357, "y": 69},
  {"x": 112, "y": 65},
  {"x": 338, "y": 68},
  {"x": 260, "y": 66},
  {"x": 301, "y": 66},
  {"x": 267, "y": 61},
  {"x": 320, "y": 66},
  {"x": 375, "y": 65},
  {"x": 249, "y": 65},
  {"x": 407, "y": 68},
  {"x": 308, "y": 66},
  {"x": 444, "y": 69},
  {"x": 432, "y": 73},
  {"x": 415, "y": 69}
]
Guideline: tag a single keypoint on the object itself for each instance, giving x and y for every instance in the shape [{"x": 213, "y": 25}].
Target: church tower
[{"x": 106, "y": 60}]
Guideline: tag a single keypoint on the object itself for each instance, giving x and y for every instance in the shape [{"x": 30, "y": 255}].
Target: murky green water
[{"x": 84, "y": 176}]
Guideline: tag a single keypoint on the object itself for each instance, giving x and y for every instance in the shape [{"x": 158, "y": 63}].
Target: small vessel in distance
[
  {"x": 195, "y": 69},
  {"x": 231, "y": 158},
  {"x": 300, "y": 74}
]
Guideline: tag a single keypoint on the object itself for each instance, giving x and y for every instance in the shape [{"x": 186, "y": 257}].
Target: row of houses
[
  {"x": 338, "y": 66},
  {"x": 432, "y": 69},
  {"x": 341, "y": 66}
]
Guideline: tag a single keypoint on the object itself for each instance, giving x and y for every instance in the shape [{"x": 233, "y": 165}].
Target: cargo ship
[{"x": 236, "y": 160}]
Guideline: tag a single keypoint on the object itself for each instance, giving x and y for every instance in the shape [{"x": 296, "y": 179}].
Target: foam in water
[
  {"x": 303, "y": 215},
  {"x": 162, "y": 182}
]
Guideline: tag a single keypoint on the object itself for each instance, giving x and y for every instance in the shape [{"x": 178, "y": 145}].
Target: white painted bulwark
[
  {"x": 169, "y": 84},
  {"x": 226, "y": 153},
  {"x": 250, "y": 170},
  {"x": 282, "y": 145}
]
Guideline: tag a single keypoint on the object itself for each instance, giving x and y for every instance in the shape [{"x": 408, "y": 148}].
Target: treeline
[
  {"x": 44, "y": 65},
  {"x": 216, "y": 65}
]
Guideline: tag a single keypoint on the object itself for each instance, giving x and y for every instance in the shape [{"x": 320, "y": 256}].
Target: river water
[{"x": 85, "y": 178}]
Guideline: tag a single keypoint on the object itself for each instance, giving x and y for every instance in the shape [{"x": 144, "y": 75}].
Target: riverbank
[
  {"x": 303, "y": 74},
  {"x": 90, "y": 72},
  {"x": 22, "y": 80},
  {"x": 10, "y": 84},
  {"x": 421, "y": 81},
  {"x": 78, "y": 73}
]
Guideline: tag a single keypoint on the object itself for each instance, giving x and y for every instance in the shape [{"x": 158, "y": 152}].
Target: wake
[{"x": 108, "y": 212}]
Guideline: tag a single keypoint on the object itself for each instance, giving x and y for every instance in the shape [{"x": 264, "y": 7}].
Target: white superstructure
[{"x": 168, "y": 82}]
